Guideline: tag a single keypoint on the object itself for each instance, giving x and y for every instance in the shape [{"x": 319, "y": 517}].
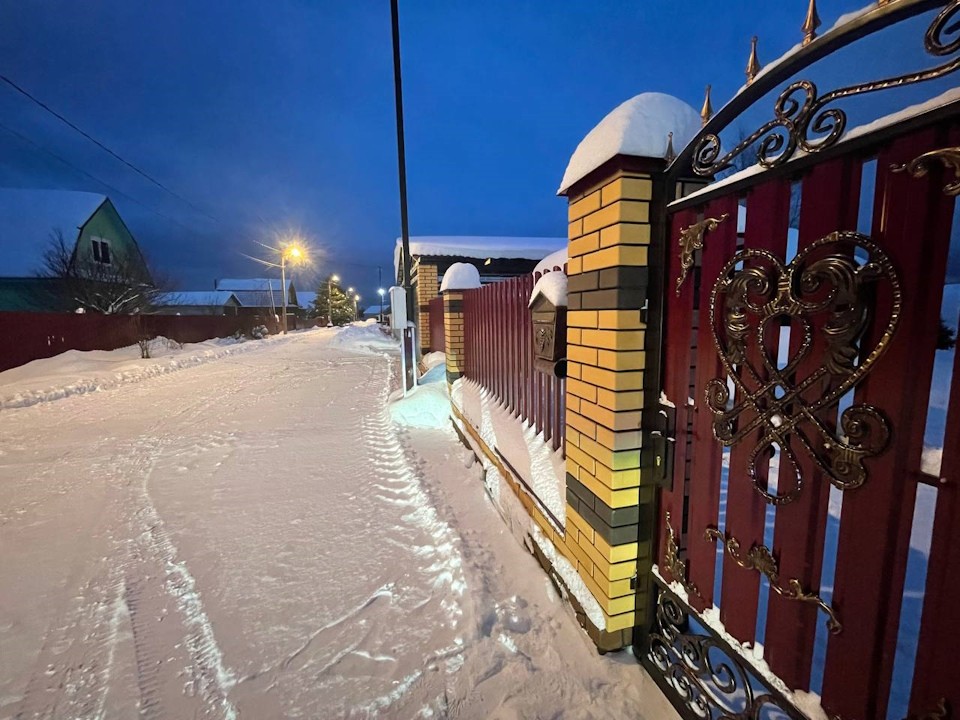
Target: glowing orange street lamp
[{"x": 296, "y": 255}]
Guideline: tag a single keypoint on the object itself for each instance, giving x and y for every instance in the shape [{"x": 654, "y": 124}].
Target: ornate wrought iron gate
[{"x": 799, "y": 355}]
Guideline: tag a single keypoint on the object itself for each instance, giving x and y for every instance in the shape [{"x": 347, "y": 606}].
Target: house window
[{"x": 101, "y": 251}]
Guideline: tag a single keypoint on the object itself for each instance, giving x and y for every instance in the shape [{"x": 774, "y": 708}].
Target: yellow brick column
[
  {"x": 427, "y": 290},
  {"x": 453, "y": 333},
  {"x": 610, "y": 500}
]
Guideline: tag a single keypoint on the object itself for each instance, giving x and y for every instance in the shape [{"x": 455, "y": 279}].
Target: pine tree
[{"x": 342, "y": 305}]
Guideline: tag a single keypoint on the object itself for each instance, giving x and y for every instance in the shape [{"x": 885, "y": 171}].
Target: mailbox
[{"x": 549, "y": 336}]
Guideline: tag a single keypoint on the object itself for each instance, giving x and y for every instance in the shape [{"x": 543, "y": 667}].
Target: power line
[
  {"x": 100, "y": 145},
  {"x": 51, "y": 153}
]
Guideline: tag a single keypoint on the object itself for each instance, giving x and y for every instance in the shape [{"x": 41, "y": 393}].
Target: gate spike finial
[
  {"x": 670, "y": 155},
  {"x": 753, "y": 64},
  {"x": 706, "y": 112},
  {"x": 811, "y": 23}
]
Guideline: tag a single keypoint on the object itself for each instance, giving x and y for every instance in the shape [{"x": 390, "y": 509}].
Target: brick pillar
[
  {"x": 453, "y": 333},
  {"x": 610, "y": 499},
  {"x": 427, "y": 290}
]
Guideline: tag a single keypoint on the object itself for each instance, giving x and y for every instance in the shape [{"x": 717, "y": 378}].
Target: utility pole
[{"x": 401, "y": 158}]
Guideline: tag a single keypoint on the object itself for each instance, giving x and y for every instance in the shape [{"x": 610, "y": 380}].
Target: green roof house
[{"x": 98, "y": 247}]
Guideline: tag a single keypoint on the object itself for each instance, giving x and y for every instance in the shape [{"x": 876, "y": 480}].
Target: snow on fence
[
  {"x": 437, "y": 334},
  {"x": 31, "y": 336},
  {"x": 498, "y": 349}
]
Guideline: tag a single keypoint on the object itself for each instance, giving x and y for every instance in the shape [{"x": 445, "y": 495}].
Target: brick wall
[
  {"x": 453, "y": 333},
  {"x": 427, "y": 289},
  {"x": 607, "y": 502}
]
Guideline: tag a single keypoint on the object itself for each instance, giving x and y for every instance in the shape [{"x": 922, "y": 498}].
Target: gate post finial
[
  {"x": 706, "y": 112},
  {"x": 753, "y": 64},
  {"x": 670, "y": 155},
  {"x": 811, "y": 23}
]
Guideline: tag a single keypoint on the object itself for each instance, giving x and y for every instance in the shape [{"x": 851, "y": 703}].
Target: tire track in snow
[
  {"x": 68, "y": 681},
  {"x": 128, "y": 592},
  {"x": 209, "y": 678}
]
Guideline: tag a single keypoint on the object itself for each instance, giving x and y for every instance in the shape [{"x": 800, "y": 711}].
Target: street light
[
  {"x": 330, "y": 282},
  {"x": 356, "y": 299},
  {"x": 381, "y": 292},
  {"x": 297, "y": 256}
]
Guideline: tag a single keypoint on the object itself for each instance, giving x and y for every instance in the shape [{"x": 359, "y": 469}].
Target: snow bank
[
  {"x": 571, "y": 578},
  {"x": 460, "y": 276},
  {"x": 364, "y": 337},
  {"x": 431, "y": 360},
  {"x": 638, "y": 127},
  {"x": 554, "y": 261},
  {"x": 76, "y": 372},
  {"x": 540, "y": 466},
  {"x": 553, "y": 286},
  {"x": 428, "y": 406}
]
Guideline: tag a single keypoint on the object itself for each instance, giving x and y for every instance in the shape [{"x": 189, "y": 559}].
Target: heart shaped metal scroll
[{"x": 827, "y": 292}]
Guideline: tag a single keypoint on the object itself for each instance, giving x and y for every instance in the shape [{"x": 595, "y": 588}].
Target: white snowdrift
[
  {"x": 431, "y": 360},
  {"x": 542, "y": 467},
  {"x": 553, "y": 261},
  {"x": 638, "y": 127},
  {"x": 460, "y": 276},
  {"x": 553, "y": 286},
  {"x": 76, "y": 372},
  {"x": 428, "y": 406},
  {"x": 364, "y": 337}
]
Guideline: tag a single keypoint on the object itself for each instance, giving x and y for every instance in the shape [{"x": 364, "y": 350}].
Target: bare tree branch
[{"x": 115, "y": 286}]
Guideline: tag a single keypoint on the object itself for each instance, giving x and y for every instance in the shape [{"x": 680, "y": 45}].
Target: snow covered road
[{"x": 253, "y": 537}]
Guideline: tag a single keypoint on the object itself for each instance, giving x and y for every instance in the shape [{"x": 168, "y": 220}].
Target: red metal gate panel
[{"x": 911, "y": 226}]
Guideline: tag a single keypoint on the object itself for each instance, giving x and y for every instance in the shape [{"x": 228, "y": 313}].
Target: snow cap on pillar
[
  {"x": 639, "y": 127},
  {"x": 460, "y": 276}
]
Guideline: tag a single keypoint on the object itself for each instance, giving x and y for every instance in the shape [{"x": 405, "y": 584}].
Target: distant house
[
  {"x": 99, "y": 248},
  {"x": 373, "y": 312},
  {"x": 259, "y": 296},
  {"x": 497, "y": 258},
  {"x": 203, "y": 302}
]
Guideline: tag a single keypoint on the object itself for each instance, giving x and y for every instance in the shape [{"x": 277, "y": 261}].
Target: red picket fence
[
  {"x": 437, "y": 340},
  {"x": 30, "y": 336},
  {"x": 498, "y": 349}
]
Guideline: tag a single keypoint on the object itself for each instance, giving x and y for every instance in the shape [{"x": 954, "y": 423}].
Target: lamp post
[
  {"x": 356, "y": 310},
  {"x": 330, "y": 282},
  {"x": 293, "y": 252},
  {"x": 381, "y": 292}
]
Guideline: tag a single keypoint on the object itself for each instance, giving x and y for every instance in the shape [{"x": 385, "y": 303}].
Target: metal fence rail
[{"x": 498, "y": 348}]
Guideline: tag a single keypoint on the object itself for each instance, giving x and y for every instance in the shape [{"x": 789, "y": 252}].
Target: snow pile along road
[
  {"x": 365, "y": 336},
  {"x": 76, "y": 372}
]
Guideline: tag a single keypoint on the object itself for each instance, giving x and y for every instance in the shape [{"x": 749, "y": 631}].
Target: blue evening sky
[{"x": 278, "y": 116}]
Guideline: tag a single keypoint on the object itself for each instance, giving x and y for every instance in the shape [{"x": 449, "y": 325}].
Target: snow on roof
[
  {"x": 460, "y": 276},
  {"x": 553, "y": 261},
  {"x": 28, "y": 218},
  {"x": 552, "y": 286},
  {"x": 198, "y": 297},
  {"x": 637, "y": 127},
  {"x": 261, "y": 284},
  {"x": 479, "y": 247},
  {"x": 259, "y": 298}
]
